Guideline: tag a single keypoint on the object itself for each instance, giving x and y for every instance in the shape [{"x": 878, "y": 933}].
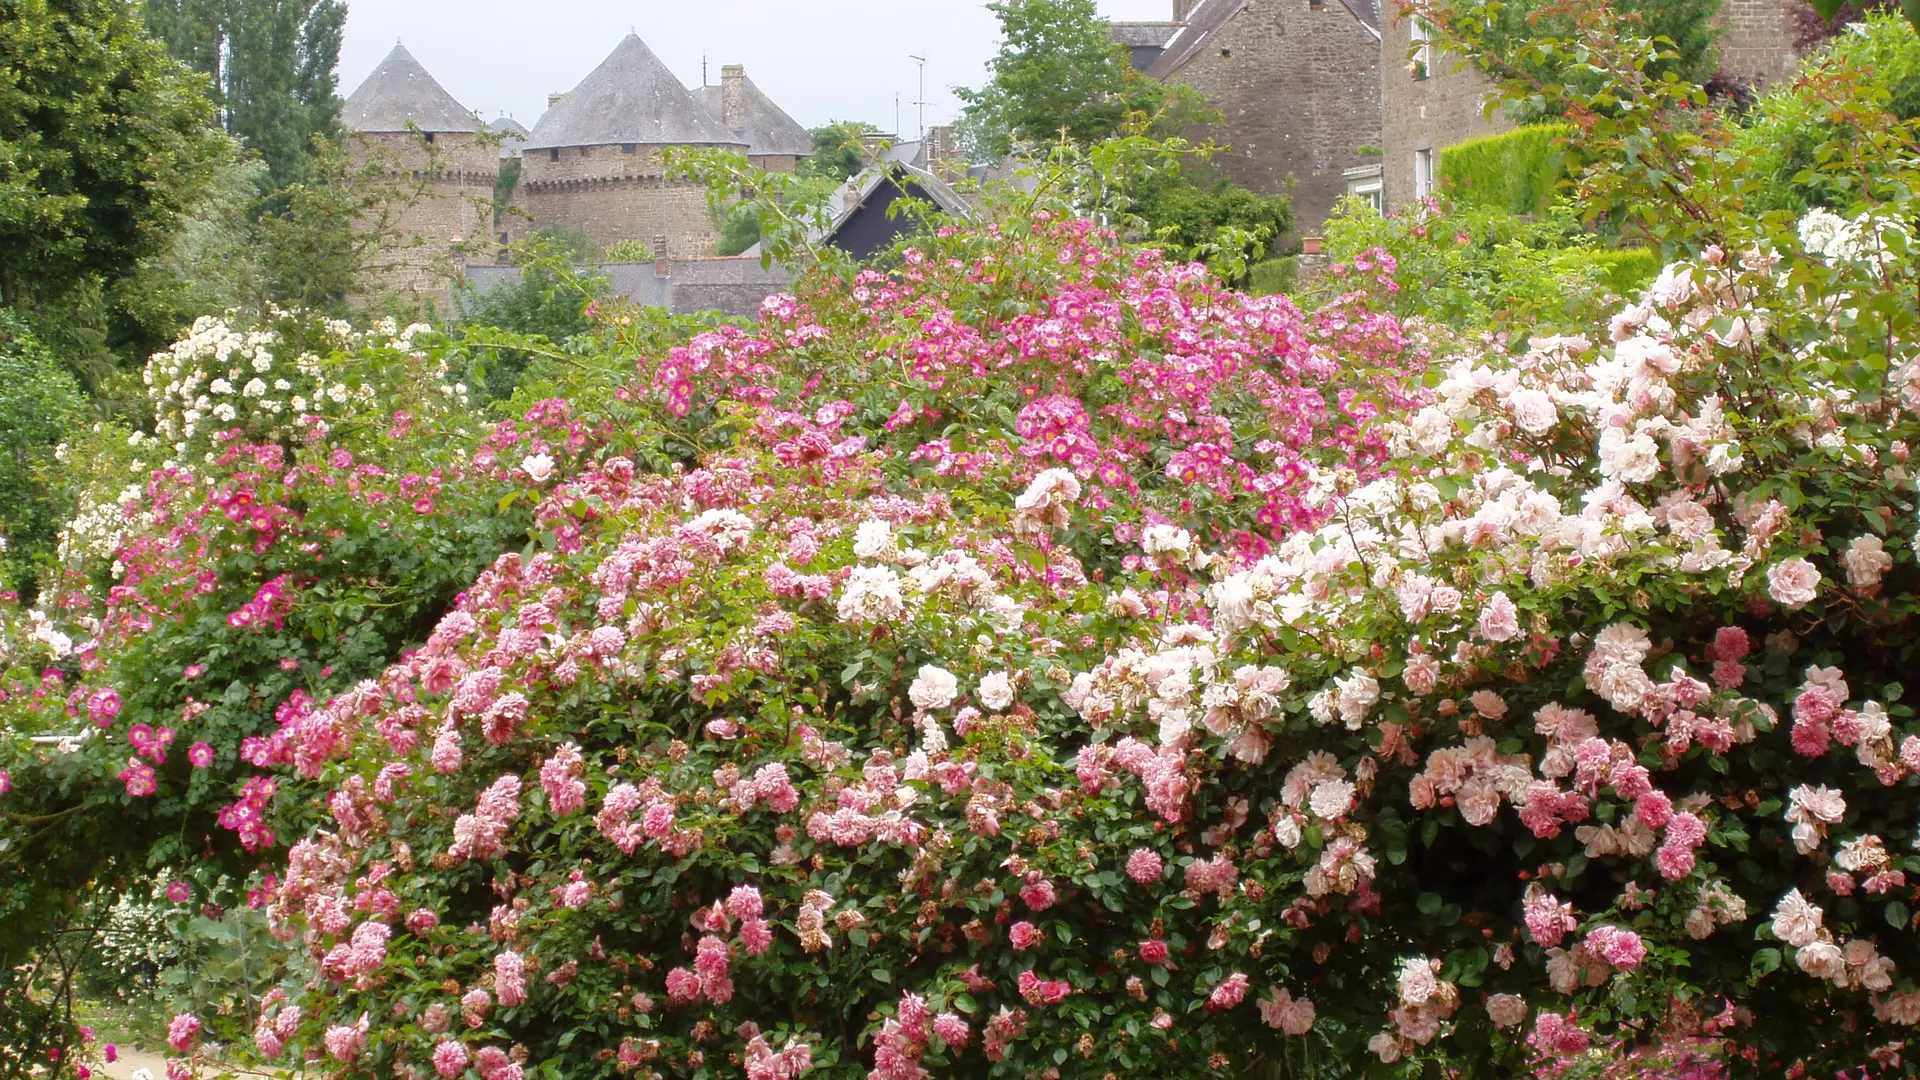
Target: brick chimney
[
  {"x": 662, "y": 266},
  {"x": 733, "y": 97},
  {"x": 1183, "y": 8}
]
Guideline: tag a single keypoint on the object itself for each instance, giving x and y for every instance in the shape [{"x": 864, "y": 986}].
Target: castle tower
[
  {"x": 775, "y": 141},
  {"x": 403, "y": 119},
  {"x": 595, "y": 161}
]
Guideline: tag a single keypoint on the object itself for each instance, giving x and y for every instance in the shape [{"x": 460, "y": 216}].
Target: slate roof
[
  {"x": 1139, "y": 35},
  {"x": 513, "y": 135},
  {"x": 769, "y": 131},
  {"x": 400, "y": 91},
  {"x": 1367, "y": 11},
  {"x": 630, "y": 98},
  {"x": 1209, "y": 17}
]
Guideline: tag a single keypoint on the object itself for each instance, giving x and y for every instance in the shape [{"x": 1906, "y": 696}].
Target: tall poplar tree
[{"x": 272, "y": 65}]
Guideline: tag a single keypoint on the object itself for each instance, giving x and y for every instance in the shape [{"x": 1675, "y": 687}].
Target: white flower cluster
[{"x": 219, "y": 377}]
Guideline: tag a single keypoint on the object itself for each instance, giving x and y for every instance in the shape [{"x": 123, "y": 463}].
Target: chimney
[
  {"x": 662, "y": 266},
  {"x": 733, "y": 97},
  {"x": 554, "y": 98},
  {"x": 942, "y": 148},
  {"x": 850, "y": 195},
  {"x": 1183, "y": 8}
]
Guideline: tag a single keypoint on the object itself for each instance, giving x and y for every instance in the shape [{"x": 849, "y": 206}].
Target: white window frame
[
  {"x": 1422, "y": 62},
  {"x": 1423, "y": 173},
  {"x": 1374, "y": 192}
]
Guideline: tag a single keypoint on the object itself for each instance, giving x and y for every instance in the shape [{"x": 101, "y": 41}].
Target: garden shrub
[
  {"x": 1027, "y": 657},
  {"x": 1517, "y": 172},
  {"x": 40, "y": 404},
  {"x": 1273, "y": 276}
]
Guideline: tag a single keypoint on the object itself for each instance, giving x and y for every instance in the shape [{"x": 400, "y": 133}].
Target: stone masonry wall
[
  {"x": 446, "y": 228},
  {"x": 1425, "y": 114},
  {"x": 1298, "y": 85},
  {"x": 612, "y": 195},
  {"x": 1756, "y": 40}
]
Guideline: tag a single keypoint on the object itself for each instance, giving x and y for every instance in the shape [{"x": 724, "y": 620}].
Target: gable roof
[
  {"x": 630, "y": 98},
  {"x": 1209, "y": 17},
  {"x": 400, "y": 92},
  {"x": 769, "y": 130}
]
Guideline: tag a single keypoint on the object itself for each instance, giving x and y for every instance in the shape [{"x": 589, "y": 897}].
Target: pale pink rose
[
  {"x": 1500, "y": 619},
  {"x": 1793, "y": 583},
  {"x": 1507, "y": 1010},
  {"x": 1533, "y": 411}
]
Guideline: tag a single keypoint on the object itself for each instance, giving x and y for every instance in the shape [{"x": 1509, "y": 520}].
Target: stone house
[
  {"x": 1429, "y": 105},
  {"x": 403, "y": 120},
  {"x": 1297, "y": 84}
]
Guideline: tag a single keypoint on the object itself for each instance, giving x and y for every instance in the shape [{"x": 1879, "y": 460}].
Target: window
[
  {"x": 428, "y": 136},
  {"x": 1422, "y": 63},
  {"x": 629, "y": 148},
  {"x": 553, "y": 154},
  {"x": 1422, "y": 173},
  {"x": 1371, "y": 193}
]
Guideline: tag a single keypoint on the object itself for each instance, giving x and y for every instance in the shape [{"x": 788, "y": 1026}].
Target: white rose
[
  {"x": 996, "y": 690},
  {"x": 934, "y": 688},
  {"x": 537, "y": 467},
  {"x": 872, "y": 538}
]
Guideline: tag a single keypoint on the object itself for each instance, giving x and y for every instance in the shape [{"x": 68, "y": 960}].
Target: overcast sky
[{"x": 822, "y": 60}]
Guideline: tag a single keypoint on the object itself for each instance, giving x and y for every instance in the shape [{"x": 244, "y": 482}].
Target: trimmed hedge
[
  {"x": 1273, "y": 276},
  {"x": 1516, "y": 172}
]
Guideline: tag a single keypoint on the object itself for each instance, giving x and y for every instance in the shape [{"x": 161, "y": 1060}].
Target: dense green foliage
[
  {"x": 1470, "y": 266},
  {"x": 1508, "y": 27},
  {"x": 839, "y": 150},
  {"x": 40, "y": 407},
  {"x": 1518, "y": 171},
  {"x": 1185, "y": 213},
  {"x": 104, "y": 147},
  {"x": 271, "y": 63},
  {"x": 1785, "y": 132},
  {"x": 1059, "y": 75}
]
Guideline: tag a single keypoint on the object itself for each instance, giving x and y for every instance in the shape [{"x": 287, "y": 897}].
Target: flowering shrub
[
  {"x": 244, "y": 572},
  {"x": 1034, "y": 660}
]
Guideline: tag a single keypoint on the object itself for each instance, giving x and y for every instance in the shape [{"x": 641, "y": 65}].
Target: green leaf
[
  {"x": 1429, "y": 903},
  {"x": 1766, "y": 960},
  {"x": 1898, "y": 915}
]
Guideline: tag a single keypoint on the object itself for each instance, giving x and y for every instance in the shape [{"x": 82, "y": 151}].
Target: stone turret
[
  {"x": 402, "y": 119},
  {"x": 596, "y": 160}
]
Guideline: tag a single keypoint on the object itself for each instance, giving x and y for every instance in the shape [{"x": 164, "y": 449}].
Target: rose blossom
[
  {"x": 1144, "y": 866},
  {"x": 1793, "y": 583},
  {"x": 1507, "y": 1010},
  {"x": 996, "y": 690},
  {"x": 182, "y": 1031},
  {"x": 1500, "y": 619},
  {"x": 934, "y": 688},
  {"x": 1280, "y": 1009}
]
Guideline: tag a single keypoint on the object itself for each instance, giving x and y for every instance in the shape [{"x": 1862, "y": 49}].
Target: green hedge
[
  {"x": 1516, "y": 172},
  {"x": 1624, "y": 271},
  {"x": 1273, "y": 276}
]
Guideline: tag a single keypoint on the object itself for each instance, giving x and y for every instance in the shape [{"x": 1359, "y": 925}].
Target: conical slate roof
[
  {"x": 400, "y": 91},
  {"x": 769, "y": 129},
  {"x": 513, "y": 135},
  {"x": 630, "y": 98}
]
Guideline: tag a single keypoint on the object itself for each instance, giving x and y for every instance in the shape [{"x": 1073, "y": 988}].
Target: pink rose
[
  {"x": 1500, "y": 619},
  {"x": 1793, "y": 583}
]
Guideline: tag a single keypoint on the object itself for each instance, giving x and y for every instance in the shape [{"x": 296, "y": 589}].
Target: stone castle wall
[
  {"x": 448, "y": 226},
  {"x": 1298, "y": 85},
  {"x": 612, "y": 195},
  {"x": 1445, "y": 108}
]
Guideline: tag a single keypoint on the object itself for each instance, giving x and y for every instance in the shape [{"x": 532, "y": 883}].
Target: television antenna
[{"x": 922, "y": 103}]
